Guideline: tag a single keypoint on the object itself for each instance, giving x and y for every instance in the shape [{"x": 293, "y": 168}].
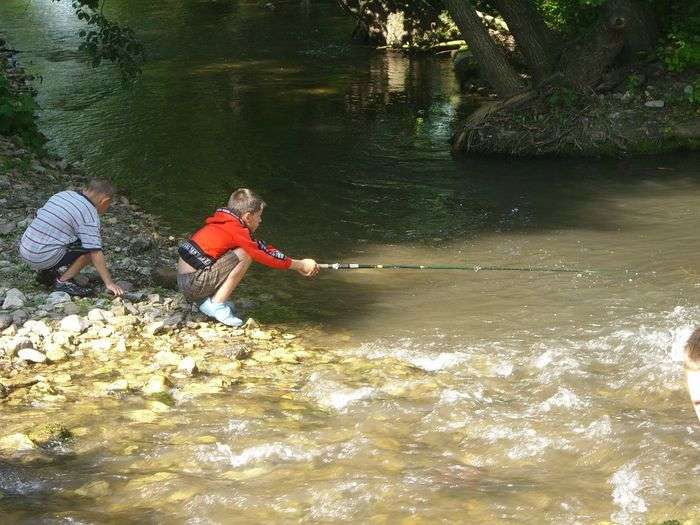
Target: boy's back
[{"x": 66, "y": 217}]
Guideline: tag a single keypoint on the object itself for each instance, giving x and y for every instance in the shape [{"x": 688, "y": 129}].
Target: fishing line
[{"x": 474, "y": 268}]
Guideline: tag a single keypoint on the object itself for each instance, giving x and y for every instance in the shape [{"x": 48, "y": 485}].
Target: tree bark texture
[
  {"x": 532, "y": 37},
  {"x": 584, "y": 62},
  {"x": 641, "y": 31},
  {"x": 490, "y": 56}
]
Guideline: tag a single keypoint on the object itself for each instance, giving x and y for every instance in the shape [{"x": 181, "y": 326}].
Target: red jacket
[{"x": 225, "y": 231}]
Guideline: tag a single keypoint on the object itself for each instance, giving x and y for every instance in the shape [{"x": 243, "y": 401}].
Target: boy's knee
[{"x": 243, "y": 256}]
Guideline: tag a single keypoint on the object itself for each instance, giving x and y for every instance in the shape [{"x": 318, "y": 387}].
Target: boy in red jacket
[{"x": 215, "y": 259}]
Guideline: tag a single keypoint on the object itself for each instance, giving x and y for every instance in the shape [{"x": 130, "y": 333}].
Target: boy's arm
[{"x": 98, "y": 261}]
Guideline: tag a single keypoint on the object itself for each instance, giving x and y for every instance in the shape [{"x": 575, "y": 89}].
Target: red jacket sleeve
[{"x": 259, "y": 251}]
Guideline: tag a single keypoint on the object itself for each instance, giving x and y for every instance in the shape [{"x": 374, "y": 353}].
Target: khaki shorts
[{"x": 204, "y": 283}]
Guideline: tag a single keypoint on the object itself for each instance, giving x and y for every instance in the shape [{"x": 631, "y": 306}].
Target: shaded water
[{"x": 462, "y": 396}]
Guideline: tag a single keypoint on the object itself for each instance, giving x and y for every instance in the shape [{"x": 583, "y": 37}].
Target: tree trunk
[
  {"x": 490, "y": 56},
  {"x": 584, "y": 63},
  {"x": 642, "y": 31},
  {"x": 533, "y": 39}
]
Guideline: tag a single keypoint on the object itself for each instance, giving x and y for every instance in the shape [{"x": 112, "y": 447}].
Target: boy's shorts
[
  {"x": 74, "y": 250},
  {"x": 204, "y": 283}
]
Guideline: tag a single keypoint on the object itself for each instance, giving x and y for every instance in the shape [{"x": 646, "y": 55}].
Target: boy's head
[
  {"x": 248, "y": 206},
  {"x": 692, "y": 351},
  {"x": 101, "y": 193}
]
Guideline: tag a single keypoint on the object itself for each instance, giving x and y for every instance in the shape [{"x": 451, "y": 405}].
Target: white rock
[
  {"x": 156, "y": 385},
  {"x": 154, "y": 328},
  {"x": 100, "y": 345},
  {"x": 121, "y": 345},
  {"x": 55, "y": 353},
  {"x": 96, "y": 315},
  {"x": 119, "y": 385},
  {"x": 37, "y": 328},
  {"x": 166, "y": 358},
  {"x": 31, "y": 355},
  {"x": 74, "y": 324},
  {"x": 56, "y": 298},
  {"x": 654, "y": 103},
  {"x": 13, "y": 299},
  {"x": 14, "y": 344},
  {"x": 16, "y": 443},
  {"x": 188, "y": 365}
]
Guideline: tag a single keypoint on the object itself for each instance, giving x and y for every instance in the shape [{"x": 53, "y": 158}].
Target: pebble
[
  {"x": 5, "y": 321},
  {"x": 654, "y": 103},
  {"x": 31, "y": 355}
]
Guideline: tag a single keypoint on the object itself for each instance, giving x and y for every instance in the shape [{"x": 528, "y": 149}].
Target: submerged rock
[
  {"x": 16, "y": 443},
  {"x": 50, "y": 434},
  {"x": 94, "y": 489}
]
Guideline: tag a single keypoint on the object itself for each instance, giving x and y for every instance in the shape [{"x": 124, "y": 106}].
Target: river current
[{"x": 447, "y": 396}]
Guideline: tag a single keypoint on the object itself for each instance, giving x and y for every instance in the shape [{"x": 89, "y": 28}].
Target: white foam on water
[
  {"x": 12, "y": 483},
  {"x": 596, "y": 429},
  {"x": 421, "y": 355},
  {"x": 278, "y": 451},
  {"x": 237, "y": 426},
  {"x": 564, "y": 398},
  {"x": 504, "y": 369},
  {"x": 340, "y": 399},
  {"x": 627, "y": 486},
  {"x": 450, "y": 396}
]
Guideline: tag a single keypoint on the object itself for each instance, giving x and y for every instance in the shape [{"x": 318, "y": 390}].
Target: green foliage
[
  {"x": 680, "y": 49},
  {"x": 18, "y": 114},
  {"x": 569, "y": 16},
  {"x": 634, "y": 83},
  {"x": 104, "y": 39},
  {"x": 681, "y": 52}
]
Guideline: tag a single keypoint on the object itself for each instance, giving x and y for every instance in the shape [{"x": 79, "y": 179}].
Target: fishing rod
[{"x": 474, "y": 268}]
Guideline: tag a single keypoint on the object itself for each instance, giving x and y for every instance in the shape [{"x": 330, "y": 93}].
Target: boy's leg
[
  {"x": 77, "y": 265},
  {"x": 234, "y": 278}
]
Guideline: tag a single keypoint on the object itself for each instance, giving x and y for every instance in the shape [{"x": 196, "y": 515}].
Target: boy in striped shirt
[{"x": 66, "y": 233}]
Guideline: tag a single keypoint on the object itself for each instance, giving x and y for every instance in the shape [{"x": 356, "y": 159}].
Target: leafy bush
[
  {"x": 18, "y": 114},
  {"x": 682, "y": 52}
]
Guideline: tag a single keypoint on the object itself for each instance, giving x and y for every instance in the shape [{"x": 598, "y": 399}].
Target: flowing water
[{"x": 462, "y": 396}]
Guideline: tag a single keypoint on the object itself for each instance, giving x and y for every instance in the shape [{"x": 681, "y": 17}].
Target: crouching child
[
  {"x": 216, "y": 258},
  {"x": 65, "y": 237},
  {"x": 692, "y": 369}
]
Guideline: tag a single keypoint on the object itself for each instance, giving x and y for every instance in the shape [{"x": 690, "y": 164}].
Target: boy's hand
[
  {"x": 307, "y": 267},
  {"x": 116, "y": 290}
]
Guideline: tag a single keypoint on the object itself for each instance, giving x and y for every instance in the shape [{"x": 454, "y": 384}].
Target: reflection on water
[{"x": 464, "y": 396}]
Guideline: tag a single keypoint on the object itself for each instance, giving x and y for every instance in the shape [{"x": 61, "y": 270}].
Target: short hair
[
  {"x": 101, "y": 186},
  {"x": 692, "y": 351},
  {"x": 244, "y": 200}
]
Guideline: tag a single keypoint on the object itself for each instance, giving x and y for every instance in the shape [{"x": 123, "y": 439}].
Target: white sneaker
[{"x": 220, "y": 312}]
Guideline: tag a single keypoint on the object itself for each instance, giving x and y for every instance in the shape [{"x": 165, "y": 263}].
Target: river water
[{"x": 463, "y": 396}]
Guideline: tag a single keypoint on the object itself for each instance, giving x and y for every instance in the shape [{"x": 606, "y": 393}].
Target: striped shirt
[{"x": 66, "y": 217}]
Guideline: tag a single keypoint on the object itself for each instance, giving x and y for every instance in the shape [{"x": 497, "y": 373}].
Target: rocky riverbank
[
  {"x": 55, "y": 349},
  {"x": 645, "y": 111}
]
